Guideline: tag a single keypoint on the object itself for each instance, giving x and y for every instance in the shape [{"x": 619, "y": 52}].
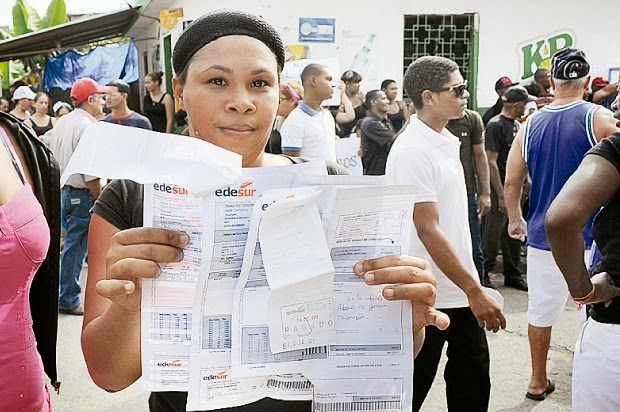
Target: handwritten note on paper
[{"x": 300, "y": 274}]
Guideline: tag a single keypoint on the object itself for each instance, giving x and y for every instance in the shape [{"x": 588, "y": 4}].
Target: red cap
[
  {"x": 84, "y": 88},
  {"x": 599, "y": 82},
  {"x": 504, "y": 82}
]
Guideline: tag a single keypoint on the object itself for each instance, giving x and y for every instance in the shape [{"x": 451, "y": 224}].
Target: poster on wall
[{"x": 317, "y": 30}]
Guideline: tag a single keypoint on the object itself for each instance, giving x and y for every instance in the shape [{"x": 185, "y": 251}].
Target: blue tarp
[{"x": 103, "y": 64}]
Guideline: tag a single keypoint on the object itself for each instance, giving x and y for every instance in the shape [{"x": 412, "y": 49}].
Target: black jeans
[
  {"x": 468, "y": 384},
  {"x": 494, "y": 234}
]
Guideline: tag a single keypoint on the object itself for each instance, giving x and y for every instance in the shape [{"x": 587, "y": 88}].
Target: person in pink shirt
[{"x": 24, "y": 243}]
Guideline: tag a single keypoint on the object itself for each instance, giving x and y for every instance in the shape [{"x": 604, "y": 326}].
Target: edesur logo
[
  {"x": 171, "y": 364},
  {"x": 537, "y": 53},
  {"x": 172, "y": 189},
  {"x": 218, "y": 376},
  {"x": 244, "y": 190}
]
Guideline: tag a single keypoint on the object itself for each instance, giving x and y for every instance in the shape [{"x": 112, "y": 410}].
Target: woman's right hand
[{"x": 135, "y": 254}]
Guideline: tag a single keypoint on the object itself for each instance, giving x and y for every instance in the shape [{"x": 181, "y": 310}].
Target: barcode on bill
[
  {"x": 375, "y": 406},
  {"x": 289, "y": 385}
]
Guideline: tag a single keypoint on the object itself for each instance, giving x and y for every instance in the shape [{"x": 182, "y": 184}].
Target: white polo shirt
[
  {"x": 309, "y": 132},
  {"x": 430, "y": 162}
]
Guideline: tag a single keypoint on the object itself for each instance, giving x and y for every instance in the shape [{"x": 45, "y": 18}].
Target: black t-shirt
[
  {"x": 470, "y": 131},
  {"x": 606, "y": 232},
  {"x": 499, "y": 134},
  {"x": 121, "y": 204}
]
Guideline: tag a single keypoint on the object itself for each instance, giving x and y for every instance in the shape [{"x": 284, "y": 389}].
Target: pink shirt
[{"x": 24, "y": 240}]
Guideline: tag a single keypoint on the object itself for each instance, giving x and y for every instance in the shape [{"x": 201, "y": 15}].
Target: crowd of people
[{"x": 513, "y": 181}]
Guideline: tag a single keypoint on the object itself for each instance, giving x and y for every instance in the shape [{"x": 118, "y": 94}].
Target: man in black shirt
[
  {"x": 499, "y": 134},
  {"x": 501, "y": 85},
  {"x": 377, "y": 133}
]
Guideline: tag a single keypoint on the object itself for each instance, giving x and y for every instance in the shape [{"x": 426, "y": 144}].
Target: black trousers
[
  {"x": 494, "y": 234},
  {"x": 468, "y": 384}
]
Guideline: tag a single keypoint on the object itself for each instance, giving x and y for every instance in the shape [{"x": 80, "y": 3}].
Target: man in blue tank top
[{"x": 550, "y": 147}]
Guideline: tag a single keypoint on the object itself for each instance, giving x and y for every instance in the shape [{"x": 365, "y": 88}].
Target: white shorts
[
  {"x": 596, "y": 368},
  {"x": 547, "y": 289}
]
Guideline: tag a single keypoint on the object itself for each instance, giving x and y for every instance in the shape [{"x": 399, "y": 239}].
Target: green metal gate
[{"x": 454, "y": 36}]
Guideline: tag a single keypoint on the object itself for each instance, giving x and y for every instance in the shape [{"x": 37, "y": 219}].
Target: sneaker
[
  {"x": 487, "y": 282},
  {"x": 516, "y": 282}
]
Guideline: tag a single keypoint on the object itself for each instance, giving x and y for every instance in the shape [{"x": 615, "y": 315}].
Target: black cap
[
  {"x": 503, "y": 82},
  {"x": 517, "y": 94},
  {"x": 569, "y": 64},
  {"x": 220, "y": 23}
]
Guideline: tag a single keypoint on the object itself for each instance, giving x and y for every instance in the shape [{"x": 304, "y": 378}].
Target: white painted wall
[{"x": 504, "y": 26}]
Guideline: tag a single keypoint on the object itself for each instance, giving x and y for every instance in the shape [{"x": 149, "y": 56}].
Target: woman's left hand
[{"x": 409, "y": 278}]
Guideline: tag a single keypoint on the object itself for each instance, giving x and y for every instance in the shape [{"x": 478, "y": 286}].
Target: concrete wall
[{"x": 504, "y": 29}]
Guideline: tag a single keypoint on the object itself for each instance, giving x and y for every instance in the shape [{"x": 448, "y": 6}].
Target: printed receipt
[{"x": 301, "y": 303}]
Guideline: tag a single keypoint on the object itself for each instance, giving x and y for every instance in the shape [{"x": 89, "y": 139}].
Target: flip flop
[{"x": 542, "y": 396}]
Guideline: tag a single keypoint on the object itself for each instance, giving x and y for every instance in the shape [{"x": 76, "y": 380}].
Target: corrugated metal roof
[{"x": 69, "y": 35}]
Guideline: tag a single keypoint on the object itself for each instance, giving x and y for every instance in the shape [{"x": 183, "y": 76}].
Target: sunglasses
[{"x": 459, "y": 89}]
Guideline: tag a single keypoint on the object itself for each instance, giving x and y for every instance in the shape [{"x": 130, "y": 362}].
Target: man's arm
[
  {"x": 581, "y": 197},
  {"x": 95, "y": 188},
  {"x": 292, "y": 136},
  {"x": 516, "y": 173},
  {"x": 604, "y": 124},
  {"x": 604, "y": 93},
  {"x": 496, "y": 180},
  {"x": 346, "y": 111},
  {"x": 377, "y": 131},
  {"x": 426, "y": 221},
  {"x": 482, "y": 171}
]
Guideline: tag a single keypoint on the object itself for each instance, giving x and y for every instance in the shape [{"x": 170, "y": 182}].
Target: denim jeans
[
  {"x": 468, "y": 383},
  {"x": 76, "y": 205},
  {"x": 474, "y": 229}
]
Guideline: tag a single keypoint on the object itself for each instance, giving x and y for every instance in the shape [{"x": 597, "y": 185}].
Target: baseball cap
[
  {"x": 517, "y": 94},
  {"x": 504, "y": 82},
  {"x": 23, "y": 92},
  {"x": 569, "y": 64},
  {"x": 599, "y": 82},
  {"x": 84, "y": 88}
]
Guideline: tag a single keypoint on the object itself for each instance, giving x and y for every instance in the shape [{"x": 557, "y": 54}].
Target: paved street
[{"x": 509, "y": 368}]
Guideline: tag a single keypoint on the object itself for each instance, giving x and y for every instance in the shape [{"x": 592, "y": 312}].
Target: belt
[{"x": 74, "y": 188}]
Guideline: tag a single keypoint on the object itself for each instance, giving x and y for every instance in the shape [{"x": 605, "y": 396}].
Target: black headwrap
[
  {"x": 569, "y": 64},
  {"x": 220, "y": 23}
]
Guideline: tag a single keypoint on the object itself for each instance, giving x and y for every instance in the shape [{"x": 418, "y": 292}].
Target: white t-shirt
[
  {"x": 310, "y": 132},
  {"x": 430, "y": 162}
]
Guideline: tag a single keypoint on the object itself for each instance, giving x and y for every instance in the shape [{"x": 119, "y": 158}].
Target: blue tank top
[{"x": 555, "y": 141}]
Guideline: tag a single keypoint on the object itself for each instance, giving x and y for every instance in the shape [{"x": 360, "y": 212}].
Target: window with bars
[{"x": 453, "y": 36}]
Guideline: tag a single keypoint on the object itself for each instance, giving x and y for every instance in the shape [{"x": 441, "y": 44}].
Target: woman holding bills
[{"x": 227, "y": 66}]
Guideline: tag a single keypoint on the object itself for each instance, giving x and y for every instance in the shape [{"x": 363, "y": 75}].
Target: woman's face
[
  {"x": 231, "y": 99},
  {"x": 353, "y": 88},
  {"x": 391, "y": 90},
  {"x": 150, "y": 84},
  {"x": 287, "y": 104},
  {"x": 61, "y": 112},
  {"x": 41, "y": 105}
]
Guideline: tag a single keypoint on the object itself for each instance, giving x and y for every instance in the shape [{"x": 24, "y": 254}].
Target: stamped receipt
[{"x": 300, "y": 274}]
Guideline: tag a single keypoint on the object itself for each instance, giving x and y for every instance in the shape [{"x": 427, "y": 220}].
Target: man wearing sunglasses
[{"x": 426, "y": 155}]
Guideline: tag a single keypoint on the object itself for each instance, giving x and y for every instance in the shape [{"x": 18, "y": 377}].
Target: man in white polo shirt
[
  {"x": 310, "y": 131},
  {"x": 427, "y": 156}
]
